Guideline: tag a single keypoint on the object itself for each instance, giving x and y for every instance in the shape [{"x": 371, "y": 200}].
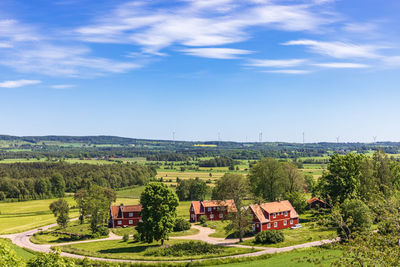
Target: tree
[
  {"x": 80, "y": 197},
  {"x": 236, "y": 187},
  {"x": 267, "y": 179},
  {"x": 8, "y": 257},
  {"x": 294, "y": 179},
  {"x": 191, "y": 189},
  {"x": 60, "y": 209},
  {"x": 57, "y": 185},
  {"x": 158, "y": 212},
  {"x": 298, "y": 201}
]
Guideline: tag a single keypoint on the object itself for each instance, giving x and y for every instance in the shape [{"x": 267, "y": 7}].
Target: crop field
[{"x": 172, "y": 175}]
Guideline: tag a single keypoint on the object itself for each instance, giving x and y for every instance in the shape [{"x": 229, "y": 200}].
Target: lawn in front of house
[
  {"x": 132, "y": 230},
  {"x": 118, "y": 249}
]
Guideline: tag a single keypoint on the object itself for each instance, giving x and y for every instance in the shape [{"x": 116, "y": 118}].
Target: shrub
[
  {"x": 270, "y": 237},
  {"x": 136, "y": 237},
  {"x": 203, "y": 219},
  {"x": 181, "y": 225},
  {"x": 125, "y": 237},
  {"x": 184, "y": 249},
  {"x": 103, "y": 231}
]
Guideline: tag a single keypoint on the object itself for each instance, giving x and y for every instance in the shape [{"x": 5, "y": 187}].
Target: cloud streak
[
  {"x": 18, "y": 83},
  {"x": 219, "y": 53}
]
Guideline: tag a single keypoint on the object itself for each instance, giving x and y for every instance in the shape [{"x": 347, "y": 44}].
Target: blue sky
[{"x": 198, "y": 67}]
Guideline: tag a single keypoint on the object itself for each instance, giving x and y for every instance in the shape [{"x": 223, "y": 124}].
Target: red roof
[
  {"x": 114, "y": 211},
  {"x": 311, "y": 200},
  {"x": 273, "y": 207},
  {"x": 128, "y": 208},
  {"x": 230, "y": 204}
]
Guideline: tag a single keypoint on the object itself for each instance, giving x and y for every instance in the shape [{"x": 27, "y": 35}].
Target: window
[
  {"x": 211, "y": 216},
  {"x": 291, "y": 221},
  {"x": 284, "y": 223},
  {"x": 274, "y": 215},
  {"x": 275, "y": 224},
  {"x": 130, "y": 214},
  {"x": 221, "y": 215},
  {"x": 130, "y": 222},
  {"x": 268, "y": 225},
  {"x": 119, "y": 222},
  {"x": 285, "y": 213},
  {"x": 209, "y": 209}
]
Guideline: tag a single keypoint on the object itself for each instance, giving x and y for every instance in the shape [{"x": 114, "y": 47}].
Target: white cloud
[
  {"x": 288, "y": 71},
  {"x": 341, "y": 65},
  {"x": 276, "y": 63},
  {"x": 338, "y": 49},
  {"x": 63, "y": 86},
  {"x": 219, "y": 53},
  {"x": 18, "y": 83}
]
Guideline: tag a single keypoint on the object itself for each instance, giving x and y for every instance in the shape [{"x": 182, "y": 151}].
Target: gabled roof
[
  {"x": 230, "y": 204},
  {"x": 128, "y": 208},
  {"x": 311, "y": 200},
  {"x": 114, "y": 211},
  {"x": 273, "y": 207}
]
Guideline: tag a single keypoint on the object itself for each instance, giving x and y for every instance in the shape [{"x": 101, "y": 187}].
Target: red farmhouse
[
  {"x": 316, "y": 203},
  {"x": 122, "y": 216},
  {"x": 214, "y": 209},
  {"x": 273, "y": 216}
]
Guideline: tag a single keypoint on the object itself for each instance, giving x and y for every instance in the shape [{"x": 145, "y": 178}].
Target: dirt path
[{"x": 23, "y": 240}]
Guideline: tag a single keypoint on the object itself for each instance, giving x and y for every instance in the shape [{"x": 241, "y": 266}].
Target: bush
[
  {"x": 103, "y": 231},
  {"x": 125, "y": 237},
  {"x": 184, "y": 249},
  {"x": 136, "y": 237},
  {"x": 270, "y": 237},
  {"x": 181, "y": 225},
  {"x": 203, "y": 219}
]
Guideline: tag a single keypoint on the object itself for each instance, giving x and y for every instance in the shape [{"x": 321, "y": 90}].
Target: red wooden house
[
  {"x": 123, "y": 216},
  {"x": 316, "y": 203},
  {"x": 273, "y": 216},
  {"x": 214, "y": 209}
]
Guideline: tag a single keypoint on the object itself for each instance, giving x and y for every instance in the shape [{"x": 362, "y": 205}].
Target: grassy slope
[
  {"x": 135, "y": 250},
  {"x": 22, "y": 253}
]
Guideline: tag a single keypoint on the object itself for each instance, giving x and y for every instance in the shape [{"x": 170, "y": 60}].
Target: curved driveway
[{"x": 23, "y": 240}]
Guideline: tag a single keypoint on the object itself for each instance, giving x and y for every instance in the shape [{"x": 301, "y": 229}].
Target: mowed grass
[
  {"x": 117, "y": 249},
  {"x": 131, "y": 231},
  {"x": 295, "y": 258},
  {"x": 131, "y": 192}
]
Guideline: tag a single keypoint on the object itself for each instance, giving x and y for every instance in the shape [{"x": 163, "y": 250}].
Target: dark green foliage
[
  {"x": 270, "y": 237},
  {"x": 185, "y": 249},
  {"x": 60, "y": 209},
  {"x": 203, "y": 219},
  {"x": 357, "y": 215},
  {"x": 158, "y": 212},
  {"x": 50, "y": 259},
  {"x": 191, "y": 189},
  {"x": 125, "y": 237},
  {"x": 103, "y": 231},
  {"x": 181, "y": 225},
  {"x": 298, "y": 201},
  {"x": 217, "y": 162},
  {"x": 43, "y": 180}
]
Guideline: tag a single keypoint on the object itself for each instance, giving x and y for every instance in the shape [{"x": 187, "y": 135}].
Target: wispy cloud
[
  {"x": 219, "y": 53},
  {"x": 63, "y": 86},
  {"x": 338, "y": 49},
  {"x": 18, "y": 83},
  {"x": 276, "y": 63},
  {"x": 341, "y": 65},
  {"x": 287, "y": 71}
]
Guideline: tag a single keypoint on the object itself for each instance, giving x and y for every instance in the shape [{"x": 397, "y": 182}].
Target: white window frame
[
  {"x": 130, "y": 214},
  {"x": 119, "y": 222},
  {"x": 221, "y": 215},
  {"x": 286, "y": 213},
  {"x": 209, "y": 209},
  {"x": 291, "y": 221},
  {"x": 284, "y": 222},
  {"x": 211, "y": 216},
  {"x": 275, "y": 224},
  {"x": 268, "y": 225},
  {"x": 274, "y": 215},
  {"x": 130, "y": 221}
]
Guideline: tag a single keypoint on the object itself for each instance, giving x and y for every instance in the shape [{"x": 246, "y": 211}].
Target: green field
[
  {"x": 295, "y": 258},
  {"x": 135, "y": 250}
]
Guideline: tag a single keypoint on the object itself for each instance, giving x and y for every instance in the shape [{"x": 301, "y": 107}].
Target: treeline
[
  {"x": 44, "y": 180},
  {"x": 217, "y": 162}
]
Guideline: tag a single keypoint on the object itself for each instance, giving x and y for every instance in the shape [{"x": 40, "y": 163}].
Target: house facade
[
  {"x": 273, "y": 216},
  {"x": 123, "y": 216},
  {"x": 316, "y": 203},
  {"x": 214, "y": 210}
]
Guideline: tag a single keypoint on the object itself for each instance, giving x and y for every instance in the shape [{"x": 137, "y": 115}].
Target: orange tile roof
[
  {"x": 132, "y": 208},
  {"x": 273, "y": 207},
  {"x": 230, "y": 204},
  {"x": 259, "y": 213},
  {"x": 114, "y": 211},
  {"x": 311, "y": 200}
]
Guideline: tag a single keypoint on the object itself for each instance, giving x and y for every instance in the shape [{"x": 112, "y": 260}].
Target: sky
[{"x": 202, "y": 69}]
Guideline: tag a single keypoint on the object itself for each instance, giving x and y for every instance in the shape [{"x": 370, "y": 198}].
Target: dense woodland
[{"x": 44, "y": 180}]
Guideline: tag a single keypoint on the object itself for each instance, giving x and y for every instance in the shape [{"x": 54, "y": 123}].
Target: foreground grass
[
  {"x": 297, "y": 258},
  {"x": 117, "y": 249}
]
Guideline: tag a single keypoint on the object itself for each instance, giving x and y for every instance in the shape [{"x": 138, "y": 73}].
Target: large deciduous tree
[
  {"x": 236, "y": 187},
  {"x": 191, "y": 189},
  {"x": 158, "y": 213},
  {"x": 60, "y": 209}
]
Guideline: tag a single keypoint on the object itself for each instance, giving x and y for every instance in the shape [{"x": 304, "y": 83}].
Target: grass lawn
[
  {"x": 22, "y": 253},
  {"x": 49, "y": 237},
  {"x": 307, "y": 233},
  {"x": 218, "y": 226},
  {"x": 17, "y": 217},
  {"x": 131, "y": 192},
  {"x": 117, "y": 249},
  {"x": 131, "y": 231},
  {"x": 295, "y": 258}
]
